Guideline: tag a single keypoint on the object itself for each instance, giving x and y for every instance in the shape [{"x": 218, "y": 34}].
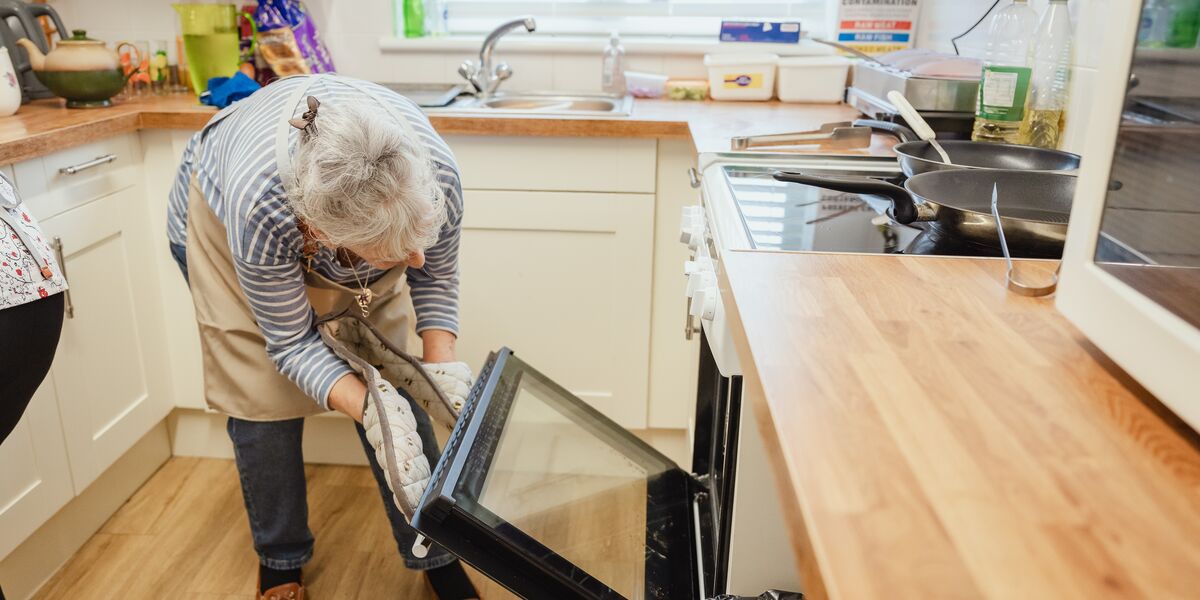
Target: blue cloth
[{"x": 223, "y": 91}]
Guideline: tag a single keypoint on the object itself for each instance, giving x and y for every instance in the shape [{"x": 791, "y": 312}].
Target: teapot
[{"x": 80, "y": 69}]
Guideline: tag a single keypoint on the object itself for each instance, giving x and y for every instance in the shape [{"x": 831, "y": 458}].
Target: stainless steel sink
[{"x": 545, "y": 103}]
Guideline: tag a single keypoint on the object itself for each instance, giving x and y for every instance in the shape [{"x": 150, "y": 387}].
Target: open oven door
[{"x": 553, "y": 500}]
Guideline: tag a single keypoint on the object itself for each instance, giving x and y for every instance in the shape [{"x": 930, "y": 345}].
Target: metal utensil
[
  {"x": 836, "y": 135},
  {"x": 1022, "y": 280},
  {"x": 918, "y": 124}
]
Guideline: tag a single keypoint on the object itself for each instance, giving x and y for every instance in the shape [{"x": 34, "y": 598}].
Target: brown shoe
[{"x": 287, "y": 591}]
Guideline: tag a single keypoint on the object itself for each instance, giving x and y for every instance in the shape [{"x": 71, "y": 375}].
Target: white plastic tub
[
  {"x": 741, "y": 76},
  {"x": 813, "y": 78}
]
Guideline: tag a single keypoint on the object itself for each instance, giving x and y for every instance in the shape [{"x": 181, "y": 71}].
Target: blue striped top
[{"x": 233, "y": 159}]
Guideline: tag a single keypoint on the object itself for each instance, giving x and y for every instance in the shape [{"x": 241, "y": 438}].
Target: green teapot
[{"x": 80, "y": 69}]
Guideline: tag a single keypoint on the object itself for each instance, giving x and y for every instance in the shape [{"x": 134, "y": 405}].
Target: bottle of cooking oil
[
  {"x": 1045, "y": 115},
  {"x": 1004, "y": 86}
]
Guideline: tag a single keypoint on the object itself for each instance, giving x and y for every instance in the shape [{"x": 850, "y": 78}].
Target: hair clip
[{"x": 307, "y": 122}]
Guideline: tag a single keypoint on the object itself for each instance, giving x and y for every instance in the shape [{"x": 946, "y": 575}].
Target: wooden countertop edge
[
  {"x": 816, "y": 585},
  {"x": 67, "y": 136}
]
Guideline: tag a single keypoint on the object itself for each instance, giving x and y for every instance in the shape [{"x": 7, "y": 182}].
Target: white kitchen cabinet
[
  {"x": 35, "y": 479},
  {"x": 564, "y": 279},
  {"x": 109, "y": 372}
]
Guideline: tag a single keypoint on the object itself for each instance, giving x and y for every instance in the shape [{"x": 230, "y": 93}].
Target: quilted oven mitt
[
  {"x": 390, "y": 427},
  {"x": 441, "y": 389}
]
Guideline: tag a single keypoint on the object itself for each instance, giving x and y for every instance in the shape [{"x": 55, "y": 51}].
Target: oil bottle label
[{"x": 1002, "y": 93}]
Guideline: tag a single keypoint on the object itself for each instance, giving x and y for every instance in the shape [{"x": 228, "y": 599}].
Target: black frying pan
[
  {"x": 918, "y": 156},
  {"x": 1034, "y": 206}
]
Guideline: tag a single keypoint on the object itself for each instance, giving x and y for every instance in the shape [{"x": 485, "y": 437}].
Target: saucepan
[
  {"x": 1034, "y": 206},
  {"x": 918, "y": 156}
]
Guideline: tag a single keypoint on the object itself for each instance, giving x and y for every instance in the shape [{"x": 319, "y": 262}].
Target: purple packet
[{"x": 274, "y": 14}]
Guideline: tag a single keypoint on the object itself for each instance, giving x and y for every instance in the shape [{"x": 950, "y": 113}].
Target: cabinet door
[
  {"x": 564, "y": 280},
  {"x": 35, "y": 480},
  {"x": 110, "y": 370}
]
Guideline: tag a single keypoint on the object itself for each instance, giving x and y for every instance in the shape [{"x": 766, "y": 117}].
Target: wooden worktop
[
  {"x": 938, "y": 437},
  {"x": 45, "y": 126}
]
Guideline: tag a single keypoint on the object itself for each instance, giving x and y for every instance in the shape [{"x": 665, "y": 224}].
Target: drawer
[
  {"x": 68, "y": 178},
  {"x": 556, "y": 163}
]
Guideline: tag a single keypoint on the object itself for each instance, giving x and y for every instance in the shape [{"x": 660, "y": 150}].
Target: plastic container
[
  {"x": 813, "y": 78},
  {"x": 645, "y": 85},
  {"x": 741, "y": 76},
  {"x": 687, "y": 89}
]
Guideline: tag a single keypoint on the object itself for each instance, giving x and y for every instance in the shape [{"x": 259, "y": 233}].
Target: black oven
[{"x": 553, "y": 500}]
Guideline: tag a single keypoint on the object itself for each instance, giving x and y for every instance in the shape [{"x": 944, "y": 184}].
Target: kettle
[
  {"x": 24, "y": 16},
  {"x": 82, "y": 70}
]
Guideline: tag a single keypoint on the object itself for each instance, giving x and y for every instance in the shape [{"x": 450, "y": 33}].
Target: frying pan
[
  {"x": 917, "y": 156},
  {"x": 1034, "y": 206}
]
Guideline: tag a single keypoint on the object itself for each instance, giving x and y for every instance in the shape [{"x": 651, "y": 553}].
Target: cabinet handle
[
  {"x": 83, "y": 166},
  {"x": 68, "y": 307},
  {"x": 694, "y": 178}
]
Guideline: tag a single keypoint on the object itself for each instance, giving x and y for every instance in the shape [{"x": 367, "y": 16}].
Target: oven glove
[
  {"x": 428, "y": 385},
  {"x": 390, "y": 428}
]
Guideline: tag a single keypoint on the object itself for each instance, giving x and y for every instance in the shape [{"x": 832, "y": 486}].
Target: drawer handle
[
  {"x": 693, "y": 178},
  {"x": 83, "y": 166},
  {"x": 68, "y": 307}
]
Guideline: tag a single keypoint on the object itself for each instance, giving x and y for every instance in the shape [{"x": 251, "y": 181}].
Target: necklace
[{"x": 365, "y": 295}]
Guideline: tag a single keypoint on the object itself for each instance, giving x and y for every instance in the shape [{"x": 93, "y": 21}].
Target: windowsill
[{"x": 582, "y": 44}]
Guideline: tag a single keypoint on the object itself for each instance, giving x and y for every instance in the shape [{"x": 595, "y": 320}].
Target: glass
[
  {"x": 547, "y": 496},
  {"x": 576, "y": 494},
  {"x": 794, "y": 217},
  {"x": 159, "y": 67},
  {"x": 1150, "y": 232}
]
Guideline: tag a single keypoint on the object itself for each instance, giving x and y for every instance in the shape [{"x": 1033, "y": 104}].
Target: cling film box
[{"x": 874, "y": 26}]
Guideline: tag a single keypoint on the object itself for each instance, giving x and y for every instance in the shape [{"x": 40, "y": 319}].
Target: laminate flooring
[{"x": 184, "y": 535}]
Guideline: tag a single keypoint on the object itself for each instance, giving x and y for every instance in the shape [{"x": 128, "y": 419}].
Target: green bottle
[{"x": 414, "y": 18}]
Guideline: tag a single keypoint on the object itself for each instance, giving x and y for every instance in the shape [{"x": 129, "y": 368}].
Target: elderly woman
[{"x": 313, "y": 193}]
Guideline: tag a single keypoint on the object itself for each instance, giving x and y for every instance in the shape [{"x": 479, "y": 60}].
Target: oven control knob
[
  {"x": 700, "y": 280},
  {"x": 691, "y": 224},
  {"x": 704, "y": 303}
]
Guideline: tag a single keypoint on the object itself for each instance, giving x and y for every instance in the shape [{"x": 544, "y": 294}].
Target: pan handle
[
  {"x": 901, "y": 132},
  {"x": 903, "y": 209}
]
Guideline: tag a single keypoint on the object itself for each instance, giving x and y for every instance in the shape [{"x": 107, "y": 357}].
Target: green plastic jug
[{"x": 210, "y": 40}]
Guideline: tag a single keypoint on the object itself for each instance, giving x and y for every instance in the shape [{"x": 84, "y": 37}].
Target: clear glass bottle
[
  {"x": 436, "y": 17},
  {"x": 1004, "y": 85},
  {"x": 612, "y": 77},
  {"x": 1155, "y": 25},
  {"x": 1046, "y": 114}
]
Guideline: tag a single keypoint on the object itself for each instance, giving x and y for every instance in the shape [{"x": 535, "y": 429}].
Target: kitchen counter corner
[{"x": 935, "y": 436}]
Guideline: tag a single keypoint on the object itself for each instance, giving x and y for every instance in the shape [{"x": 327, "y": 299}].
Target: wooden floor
[{"x": 184, "y": 535}]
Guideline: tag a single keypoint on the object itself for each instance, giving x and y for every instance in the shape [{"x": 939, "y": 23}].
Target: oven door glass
[{"x": 553, "y": 500}]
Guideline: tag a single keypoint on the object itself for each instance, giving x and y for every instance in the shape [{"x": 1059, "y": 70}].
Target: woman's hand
[
  {"x": 348, "y": 396},
  {"x": 438, "y": 346}
]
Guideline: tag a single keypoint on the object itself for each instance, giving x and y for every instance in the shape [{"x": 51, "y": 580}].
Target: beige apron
[{"x": 240, "y": 379}]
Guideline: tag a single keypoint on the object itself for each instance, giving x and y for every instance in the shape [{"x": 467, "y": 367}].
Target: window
[{"x": 682, "y": 18}]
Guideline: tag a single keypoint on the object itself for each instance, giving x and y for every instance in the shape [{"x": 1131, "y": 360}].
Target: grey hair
[{"x": 366, "y": 180}]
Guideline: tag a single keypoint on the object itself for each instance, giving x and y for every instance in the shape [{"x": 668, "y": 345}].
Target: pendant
[{"x": 364, "y": 301}]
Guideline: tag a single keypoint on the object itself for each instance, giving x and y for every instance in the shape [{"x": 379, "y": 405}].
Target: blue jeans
[{"x": 270, "y": 465}]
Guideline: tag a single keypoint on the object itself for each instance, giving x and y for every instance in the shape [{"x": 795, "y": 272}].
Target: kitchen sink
[{"x": 545, "y": 103}]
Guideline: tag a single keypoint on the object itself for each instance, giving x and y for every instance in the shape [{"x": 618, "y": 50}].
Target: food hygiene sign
[{"x": 875, "y": 26}]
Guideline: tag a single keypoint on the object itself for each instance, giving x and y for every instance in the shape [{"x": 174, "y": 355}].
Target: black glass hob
[{"x": 795, "y": 217}]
